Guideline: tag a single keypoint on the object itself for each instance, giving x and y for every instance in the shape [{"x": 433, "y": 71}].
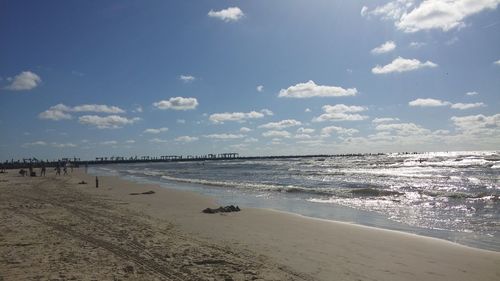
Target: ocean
[{"x": 448, "y": 195}]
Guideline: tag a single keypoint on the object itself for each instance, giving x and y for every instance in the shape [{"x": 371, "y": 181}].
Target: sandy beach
[{"x": 53, "y": 228}]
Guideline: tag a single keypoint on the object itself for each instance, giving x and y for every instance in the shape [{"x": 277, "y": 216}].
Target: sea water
[{"x": 449, "y": 195}]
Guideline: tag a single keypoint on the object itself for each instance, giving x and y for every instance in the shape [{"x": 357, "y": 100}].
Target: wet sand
[{"x": 53, "y": 228}]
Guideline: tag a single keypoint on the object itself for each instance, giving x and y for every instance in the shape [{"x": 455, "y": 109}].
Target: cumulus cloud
[
  {"x": 281, "y": 124},
  {"x": 228, "y": 15},
  {"x": 177, "y": 103},
  {"x": 384, "y": 120},
  {"x": 251, "y": 140},
  {"x": 472, "y": 93},
  {"x": 364, "y": 10},
  {"x": 276, "y": 134},
  {"x": 130, "y": 141},
  {"x": 310, "y": 89},
  {"x": 307, "y": 110},
  {"x": 186, "y": 139},
  {"x": 260, "y": 88},
  {"x": 187, "y": 78},
  {"x": 497, "y": 62},
  {"x": 224, "y": 136},
  {"x": 463, "y": 106},
  {"x": 107, "y": 122},
  {"x": 328, "y": 131},
  {"x": 26, "y": 80},
  {"x": 403, "y": 129},
  {"x": 437, "y": 103},
  {"x": 155, "y": 131},
  {"x": 303, "y": 130},
  {"x": 477, "y": 122},
  {"x": 445, "y": 15},
  {"x": 54, "y": 114},
  {"x": 245, "y": 129},
  {"x": 384, "y": 48},
  {"x": 302, "y": 136},
  {"x": 220, "y": 118},
  {"x": 402, "y": 65},
  {"x": 341, "y": 112},
  {"x": 428, "y": 103},
  {"x": 62, "y": 111}
]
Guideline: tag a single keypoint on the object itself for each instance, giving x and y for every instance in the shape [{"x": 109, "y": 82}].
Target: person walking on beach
[
  {"x": 58, "y": 170},
  {"x": 42, "y": 170},
  {"x": 65, "y": 171},
  {"x": 96, "y": 182}
]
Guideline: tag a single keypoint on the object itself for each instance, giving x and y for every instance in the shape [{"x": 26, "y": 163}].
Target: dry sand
[{"x": 53, "y": 228}]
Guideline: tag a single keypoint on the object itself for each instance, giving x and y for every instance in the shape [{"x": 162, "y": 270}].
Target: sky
[{"x": 284, "y": 77}]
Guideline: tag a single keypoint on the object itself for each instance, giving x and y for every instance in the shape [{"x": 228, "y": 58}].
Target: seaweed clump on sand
[{"x": 227, "y": 209}]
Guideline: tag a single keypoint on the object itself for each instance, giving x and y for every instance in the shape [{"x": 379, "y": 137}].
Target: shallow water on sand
[{"x": 450, "y": 195}]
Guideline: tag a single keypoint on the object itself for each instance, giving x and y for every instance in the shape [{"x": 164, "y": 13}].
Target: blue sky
[{"x": 125, "y": 78}]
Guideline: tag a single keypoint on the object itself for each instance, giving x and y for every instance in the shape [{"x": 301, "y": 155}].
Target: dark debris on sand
[{"x": 227, "y": 209}]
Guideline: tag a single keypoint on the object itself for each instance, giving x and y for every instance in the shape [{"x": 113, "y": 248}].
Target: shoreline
[
  {"x": 336, "y": 213},
  {"x": 316, "y": 249}
]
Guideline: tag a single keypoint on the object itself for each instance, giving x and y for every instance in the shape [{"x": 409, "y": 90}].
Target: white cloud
[
  {"x": 477, "y": 122},
  {"x": 155, "y": 131},
  {"x": 251, "y": 140},
  {"x": 35, "y": 143},
  {"x": 472, "y": 93},
  {"x": 281, "y": 124},
  {"x": 428, "y": 103},
  {"x": 276, "y": 134},
  {"x": 158, "y": 140},
  {"x": 234, "y": 116},
  {"x": 307, "y": 110},
  {"x": 442, "y": 14},
  {"x": 186, "y": 139},
  {"x": 227, "y": 15},
  {"x": 110, "y": 142},
  {"x": 302, "y": 130},
  {"x": 101, "y": 108},
  {"x": 364, "y": 10},
  {"x": 463, "y": 106},
  {"x": 404, "y": 129},
  {"x": 61, "y": 111},
  {"x": 302, "y": 136},
  {"x": 497, "y": 62},
  {"x": 410, "y": 16},
  {"x": 63, "y": 145},
  {"x": 245, "y": 129},
  {"x": 384, "y": 120},
  {"x": 341, "y": 112},
  {"x": 107, "y": 122},
  {"x": 187, "y": 78},
  {"x": 138, "y": 109},
  {"x": 267, "y": 112},
  {"x": 437, "y": 103},
  {"x": 177, "y": 103},
  {"x": 327, "y": 131},
  {"x": 310, "y": 89},
  {"x": 260, "y": 88},
  {"x": 130, "y": 141},
  {"x": 384, "y": 48},
  {"x": 26, "y": 80},
  {"x": 54, "y": 114},
  {"x": 417, "y": 45},
  {"x": 224, "y": 136},
  {"x": 402, "y": 65}
]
